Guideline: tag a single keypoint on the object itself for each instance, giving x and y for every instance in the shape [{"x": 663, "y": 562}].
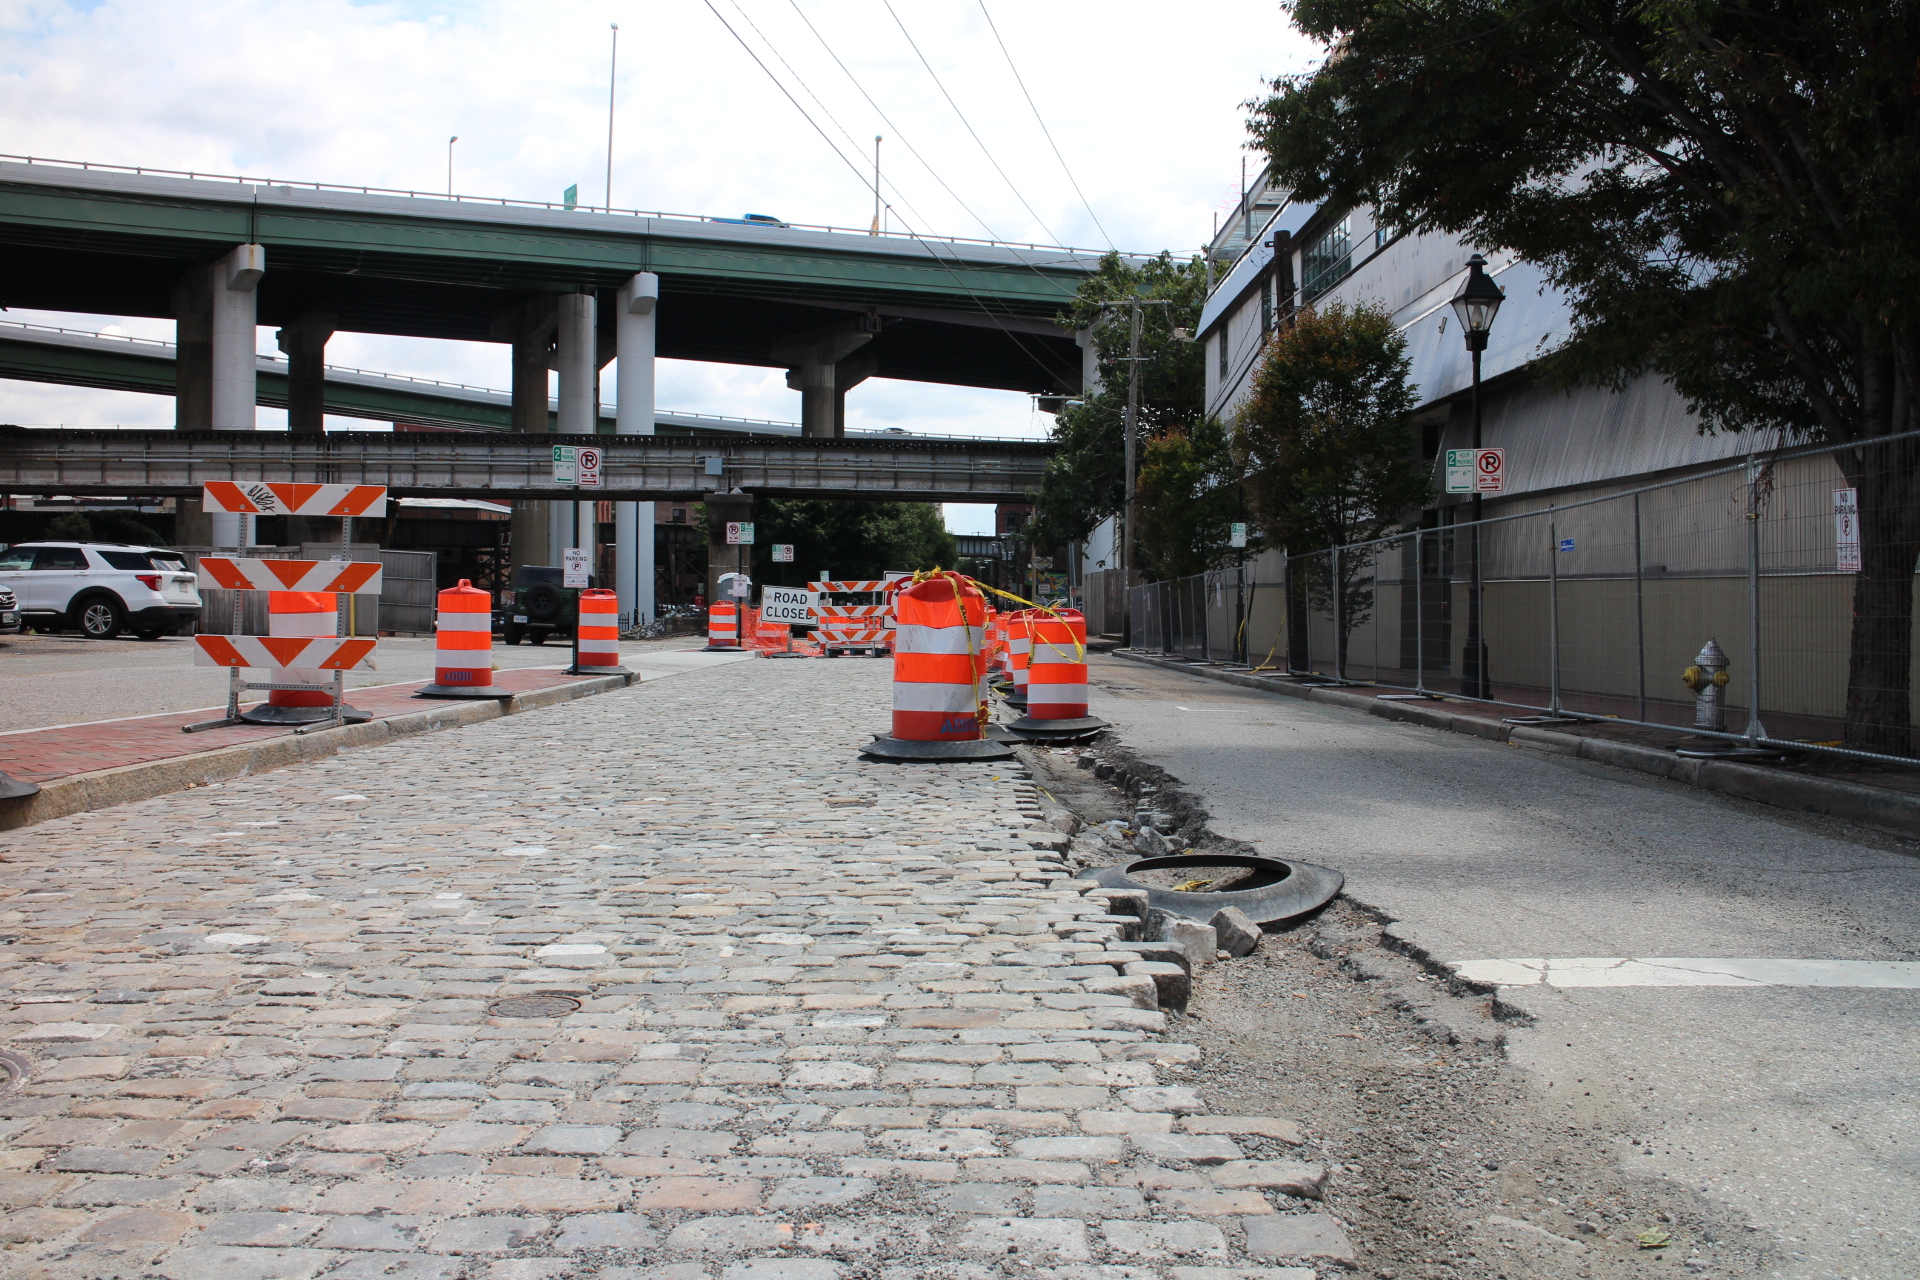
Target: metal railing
[
  {"x": 1597, "y": 608},
  {"x": 147, "y": 171}
]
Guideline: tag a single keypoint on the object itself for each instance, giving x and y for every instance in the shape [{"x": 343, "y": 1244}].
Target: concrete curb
[
  {"x": 1894, "y": 812},
  {"x": 82, "y": 792}
]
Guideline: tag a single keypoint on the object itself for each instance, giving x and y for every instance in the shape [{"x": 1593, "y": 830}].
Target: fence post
[
  {"x": 1639, "y": 608},
  {"x": 1553, "y": 610},
  {"x": 1419, "y": 620},
  {"x": 1339, "y": 634},
  {"x": 1755, "y": 733}
]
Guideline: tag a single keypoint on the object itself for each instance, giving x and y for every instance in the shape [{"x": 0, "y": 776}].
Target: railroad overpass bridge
[{"x": 569, "y": 290}]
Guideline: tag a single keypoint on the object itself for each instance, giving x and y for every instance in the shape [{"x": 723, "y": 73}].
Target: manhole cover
[
  {"x": 13, "y": 1071},
  {"x": 533, "y": 1007}
]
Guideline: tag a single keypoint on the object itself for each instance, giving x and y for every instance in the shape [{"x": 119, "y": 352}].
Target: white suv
[{"x": 102, "y": 588}]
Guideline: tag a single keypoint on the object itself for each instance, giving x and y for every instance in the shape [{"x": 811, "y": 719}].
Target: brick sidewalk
[
  {"x": 42, "y": 755},
  {"x": 808, "y": 1019}
]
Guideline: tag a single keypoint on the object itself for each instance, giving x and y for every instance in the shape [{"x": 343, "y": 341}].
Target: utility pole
[
  {"x": 613, "y": 68},
  {"x": 1133, "y": 417}
]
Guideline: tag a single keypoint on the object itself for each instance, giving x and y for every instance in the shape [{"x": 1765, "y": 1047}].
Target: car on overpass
[{"x": 102, "y": 588}]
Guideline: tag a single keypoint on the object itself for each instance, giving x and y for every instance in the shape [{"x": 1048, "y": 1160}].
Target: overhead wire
[
  {"x": 932, "y": 252},
  {"x": 1041, "y": 121},
  {"x": 941, "y": 85},
  {"x": 828, "y": 113},
  {"x": 896, "y": 132}
]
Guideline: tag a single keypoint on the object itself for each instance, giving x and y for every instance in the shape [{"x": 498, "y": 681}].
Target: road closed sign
[{"x": 790, "y": 605}]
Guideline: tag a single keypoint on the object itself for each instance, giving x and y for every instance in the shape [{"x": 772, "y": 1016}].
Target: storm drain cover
[
  {"x": 533, "y": 1007},
  {"x": 13, "y": 1071}
]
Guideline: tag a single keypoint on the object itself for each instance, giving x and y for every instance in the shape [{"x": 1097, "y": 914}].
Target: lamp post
[
  {"x": 450, "y": 142},
  {"x": 1476, "y": 304}
]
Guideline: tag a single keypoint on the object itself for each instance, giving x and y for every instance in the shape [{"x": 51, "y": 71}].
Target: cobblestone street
[{"x": 660, "y": 984}]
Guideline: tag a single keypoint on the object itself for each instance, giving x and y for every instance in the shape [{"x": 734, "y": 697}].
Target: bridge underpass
[
  {"x": 569, "y": 290},
  {"x": 725, "y": 472}
]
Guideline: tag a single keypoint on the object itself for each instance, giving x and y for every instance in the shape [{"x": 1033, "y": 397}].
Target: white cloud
[{"x": 1143, "y": 98}]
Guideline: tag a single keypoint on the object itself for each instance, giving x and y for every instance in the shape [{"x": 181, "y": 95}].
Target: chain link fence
[{"x": 1797, "y": 563}]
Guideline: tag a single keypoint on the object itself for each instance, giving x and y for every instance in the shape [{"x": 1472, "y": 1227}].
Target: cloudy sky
[{"x": 1142, "y": 99}]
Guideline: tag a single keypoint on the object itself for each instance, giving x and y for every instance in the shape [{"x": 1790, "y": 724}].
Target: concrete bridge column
[
  {"x": 633, "y": 416},
  {"x": 721, "y": 556},
  {"x": 214, "y": 312},
  {"x": 847, "y": 375},
  {"x": 812, "y": 358},
  {"x": 304, "y": 342},
  {"x": 528, "y": 325},
  {"x": 574, "y": 358}
]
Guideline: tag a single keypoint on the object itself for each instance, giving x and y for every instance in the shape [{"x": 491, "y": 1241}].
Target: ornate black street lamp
[{"x": 1476, "y": 304}]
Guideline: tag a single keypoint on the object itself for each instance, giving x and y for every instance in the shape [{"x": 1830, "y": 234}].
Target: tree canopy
[
  {"x": 1086, "y": 479},
  {"x": 852, "y": 539},
  {"x": 1725, "y": 192}
]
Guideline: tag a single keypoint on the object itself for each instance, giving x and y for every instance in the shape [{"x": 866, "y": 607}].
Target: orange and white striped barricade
[
  {"x": 845, "y": 627},
  {"x": 303, "y": 694},
  {"x": 939, "y": 627},
  {"x": 723, "y": 626},
  {"x": 316, "y": 655},
  {"x": 463, "y": 646},
  {"x": 596, "y": 635},
  {"x": 1057, "y": 679}
]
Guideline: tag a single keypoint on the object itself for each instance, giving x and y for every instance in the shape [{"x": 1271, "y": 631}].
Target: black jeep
[{"x": 539, "y": 608}]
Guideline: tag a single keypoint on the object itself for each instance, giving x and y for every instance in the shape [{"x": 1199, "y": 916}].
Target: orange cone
[
  {"x": 301, "y": 615},
  {"x": 938, "y": 665},
  {"x": 597, "y": 643},
  {"x": 1057, "y": 679},
  {"x": 463, "y": 646},
  {"x": 723, "y": 626}
]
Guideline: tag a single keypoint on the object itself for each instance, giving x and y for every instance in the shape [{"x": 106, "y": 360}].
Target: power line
[
  {"x": 1038, "y": 220},
  {"x": 931, "y": 250},
  {"x": 1043, "y": 124},
  {"x": 824, "y": 110},
  {"x": 898, "y": 135}
]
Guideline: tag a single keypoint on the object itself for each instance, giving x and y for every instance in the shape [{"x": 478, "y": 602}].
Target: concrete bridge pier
[
  {"x": 528, "y": 324},
  {"x": 634, "y": 345},
  {"x": 214, "y": 309},
  {"x": 813, "y": 358},
  {"x": 721, "y": 556},
  {"x": 574, "y": 359}
]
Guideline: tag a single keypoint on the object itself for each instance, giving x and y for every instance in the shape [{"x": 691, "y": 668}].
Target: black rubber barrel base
[
  {"x": 459, "y": 691},
  {"x": 596, "y": 671},
  {"x": 722, "y": 648},
  {"x": 12, "y": 788},
  {"x": 1036, "y": 730},
  {"x": 264, "y": 714},
  {"x": 933, "y": 752}
]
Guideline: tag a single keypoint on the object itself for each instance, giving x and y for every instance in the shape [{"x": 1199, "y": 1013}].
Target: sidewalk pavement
[{"x": 664, "y": 984}]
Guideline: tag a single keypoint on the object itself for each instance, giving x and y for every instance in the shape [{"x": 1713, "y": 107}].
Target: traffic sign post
[
  {"x": 587, "y": 467},
  {"x": 1476, "y": 471},
  {"x": 783, "y": 553},
  {"x": 566, "y": 464},
  {"x": 739, "y": 533}
]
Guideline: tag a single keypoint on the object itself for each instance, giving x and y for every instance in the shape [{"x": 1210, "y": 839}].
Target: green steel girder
[{"x": 978, "y": 316}]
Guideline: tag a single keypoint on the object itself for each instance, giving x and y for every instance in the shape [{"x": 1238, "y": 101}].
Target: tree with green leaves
[
  {"x": 1329, "y": 451},
  {"x": 853, "y": 539},
  {"x": 1187, "y": 501},
  {"x": 1085, "y": 481},
  {"x": 1724, "y": 191}
]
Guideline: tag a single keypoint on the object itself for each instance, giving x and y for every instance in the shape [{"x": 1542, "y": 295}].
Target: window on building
[
  {"x": 679, "y": 515},
  {"x": 1221, "y": 339},
  {"x": 1329, "y": 257}
]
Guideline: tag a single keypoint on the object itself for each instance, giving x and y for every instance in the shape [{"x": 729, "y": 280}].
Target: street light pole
[
  {"x": 450, "y": 142},
  {"x": 613, "y": 68},
  {"x": 1476, "y": 304},
  {"x": 1131, "y": 459}
]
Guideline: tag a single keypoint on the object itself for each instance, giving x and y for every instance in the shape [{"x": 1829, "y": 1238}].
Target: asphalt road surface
[
  {"x": 65, "y": 679},
  {"x": 1795, "y": 1109}
]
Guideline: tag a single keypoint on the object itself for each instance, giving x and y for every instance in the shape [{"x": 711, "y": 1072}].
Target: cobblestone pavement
[{"x": 835, "y": 1020}]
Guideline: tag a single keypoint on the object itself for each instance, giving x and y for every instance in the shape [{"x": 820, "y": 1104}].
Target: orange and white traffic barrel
[
  {"x": 300, "y": 615},
  {"x": 597, "y": 638},
  {"x": 463, "y": 646},
  {"x": 723, "y": 626},
  {"x": 938, "y": 664},
  {"x": 1019, "y": 650},
  {"x": 1057, "y": 678}
]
